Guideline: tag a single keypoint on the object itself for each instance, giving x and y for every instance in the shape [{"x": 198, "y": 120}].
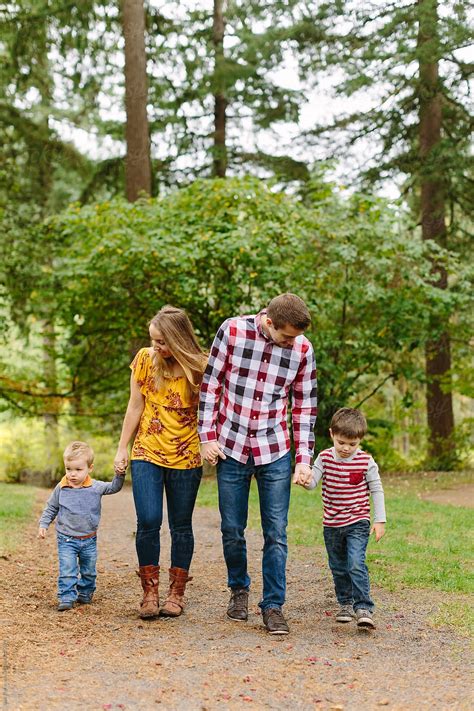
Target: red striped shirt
[{"x": 345, "y": 492}]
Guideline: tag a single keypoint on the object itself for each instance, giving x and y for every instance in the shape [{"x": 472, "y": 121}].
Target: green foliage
[{"x": 219, "y": 248}]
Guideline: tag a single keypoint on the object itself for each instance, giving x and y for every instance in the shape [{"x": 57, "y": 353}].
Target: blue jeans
[
  {"x": 346, "y": 547},
  {"x": 77, "y": 567},
  {"x": 181, "y": 485},
  {"x": 274, "y": 483}
]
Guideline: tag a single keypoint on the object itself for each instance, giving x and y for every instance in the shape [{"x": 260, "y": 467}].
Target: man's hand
[
  {"x": 379, "y": 529},
  {"x": 41, "y": 532},
  {"x": 303, "y": 474},
  {"x": 210, "y": 451}
]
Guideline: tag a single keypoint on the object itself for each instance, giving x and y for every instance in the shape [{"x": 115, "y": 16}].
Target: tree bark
[
  {"x": 220, "y": 101},
  {"x": 433, "y": 223},
  {"x": 137, "y": 163}
]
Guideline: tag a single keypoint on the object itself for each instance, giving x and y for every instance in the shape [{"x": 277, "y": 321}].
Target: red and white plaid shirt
[{"x": 244, "y": 393}]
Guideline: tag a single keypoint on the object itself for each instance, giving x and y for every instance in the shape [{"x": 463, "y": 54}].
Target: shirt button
[
  {"x": 261, "y": 380},
  {"x": 254, "y": 417}
]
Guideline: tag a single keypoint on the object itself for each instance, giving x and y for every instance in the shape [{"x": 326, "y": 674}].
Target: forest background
[{"x": 212, "y": 155}]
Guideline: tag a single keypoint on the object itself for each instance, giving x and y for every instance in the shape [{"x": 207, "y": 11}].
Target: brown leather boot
[
  {"x": 150, "y": 577},
  {"x": 174, "y": 603}
]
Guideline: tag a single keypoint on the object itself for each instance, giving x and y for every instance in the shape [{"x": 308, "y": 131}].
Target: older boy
[
  {"x": 348, "y": 475},
  {"x": 254, "y": 364},
  {"x": 76, "y": 502}
]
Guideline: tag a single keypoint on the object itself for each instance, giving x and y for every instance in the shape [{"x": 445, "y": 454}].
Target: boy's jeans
[
  {"x": 274, "y": 483},
  {"x": 346, "y": 547},
  {"x": 181, "y": 486},
  {"x": 77, "y": 567}
]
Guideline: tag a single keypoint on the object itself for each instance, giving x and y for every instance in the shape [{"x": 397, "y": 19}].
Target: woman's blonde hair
[{"x": 178, "y": 334}]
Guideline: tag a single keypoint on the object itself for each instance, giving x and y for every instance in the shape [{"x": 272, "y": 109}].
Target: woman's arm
[{"x": 131, "y": 421}]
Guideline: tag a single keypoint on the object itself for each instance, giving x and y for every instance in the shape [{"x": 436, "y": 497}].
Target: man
[{"x": 254, "y": 364}]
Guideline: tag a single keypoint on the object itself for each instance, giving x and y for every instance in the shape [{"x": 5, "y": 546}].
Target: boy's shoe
[
  {"x": 345, "y": 614},
  {"x": 83, "y": 600},
  {"x": 238, "y": 608},
  {"x": 63, "y": 606},
  {"x": 274, "y": 621},
  {"x": 364, "y": 619}
]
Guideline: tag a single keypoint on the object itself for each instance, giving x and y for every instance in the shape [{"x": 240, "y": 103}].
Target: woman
[{"x": 162, "y": 410}]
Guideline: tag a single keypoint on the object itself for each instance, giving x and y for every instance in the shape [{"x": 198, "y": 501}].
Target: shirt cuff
[
  {"x": 210, "y": 436},
  {"x": 303, "y": 458}
]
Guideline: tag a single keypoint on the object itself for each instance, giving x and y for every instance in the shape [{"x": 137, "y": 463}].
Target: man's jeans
[
  {"x": 77, "y": 567},
  {"x": 181, "y": 486},
  {"x": 346, "y": 547},
  {"x": 274, "y": 483}
]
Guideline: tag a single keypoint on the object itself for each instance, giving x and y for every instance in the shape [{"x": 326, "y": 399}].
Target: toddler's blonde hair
[{"x": 77, "y": 449}]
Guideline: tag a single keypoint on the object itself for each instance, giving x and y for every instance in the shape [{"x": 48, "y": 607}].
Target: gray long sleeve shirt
[{"x": 78, "y": 510}]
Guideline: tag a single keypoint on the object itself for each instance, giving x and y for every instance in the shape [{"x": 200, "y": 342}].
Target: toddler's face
[
  {"x": 344, "y": 446},
  {"x": 77, "y": 471}
]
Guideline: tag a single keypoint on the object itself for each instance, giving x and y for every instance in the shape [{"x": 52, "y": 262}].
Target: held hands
[
  {"x": 379, "y": 529},
  {"x": 303, "y": 475},
  {"x": 121, "y": 461},
  {"x": 210, "y": 452},
  {"x": 41, "y": 533}
]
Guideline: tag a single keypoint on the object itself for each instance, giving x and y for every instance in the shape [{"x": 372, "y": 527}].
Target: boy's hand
[
  {"x": 303, "y": 475},
  {"x": 379, "y": 529},
  {"x": 42, "y": 532}
]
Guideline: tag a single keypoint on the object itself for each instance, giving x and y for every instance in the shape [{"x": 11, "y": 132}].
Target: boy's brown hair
[
  {"x": 288, "y": 309},
  {"x": 349, "y": 423},
  {"x": 77, "y": 449}
]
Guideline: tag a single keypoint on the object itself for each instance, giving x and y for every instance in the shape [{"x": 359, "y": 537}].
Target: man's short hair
[
  {"x": 349, "y": 423},
  {"x": 289, "y": 309},
  {"x": 77, "y": 449}
]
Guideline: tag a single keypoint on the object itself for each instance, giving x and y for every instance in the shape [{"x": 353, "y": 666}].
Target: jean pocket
[{"x": 356, "y": 477}]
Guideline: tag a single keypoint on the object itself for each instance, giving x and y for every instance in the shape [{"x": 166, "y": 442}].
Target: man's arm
[
  {"x": 211, "y": 386},
  {"x": 304, "y": 408}
]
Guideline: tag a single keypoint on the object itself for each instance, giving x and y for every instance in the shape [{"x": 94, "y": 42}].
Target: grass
[
  {"x": 16, "y": 505},
  {"x": 426, "y": 545}
]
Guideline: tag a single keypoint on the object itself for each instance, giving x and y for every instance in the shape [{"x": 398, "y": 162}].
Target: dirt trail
[{"x": 103, "y": 656}]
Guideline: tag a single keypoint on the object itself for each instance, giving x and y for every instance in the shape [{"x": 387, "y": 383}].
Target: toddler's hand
[
  {"x": 41, "y": 532},
  {"x": 379, "y": 529}
]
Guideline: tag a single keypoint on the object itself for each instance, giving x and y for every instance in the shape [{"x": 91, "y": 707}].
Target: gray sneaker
[
  {"x": 364, "y": 619},
  {"x": 63, "y": 606},
  {"x": 345, "y": 614}
]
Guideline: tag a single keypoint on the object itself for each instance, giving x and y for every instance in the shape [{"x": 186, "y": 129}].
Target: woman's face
[{"x": 158, "y": 343}]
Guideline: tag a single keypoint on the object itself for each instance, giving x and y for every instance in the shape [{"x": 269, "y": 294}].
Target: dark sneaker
[
  {"x": 238, "y": 608},
  {"x": 83, "y": 600},
  {"x": 274, "y": 621},
  {"x": 364, "y": 619},
  {"x": 63, "y": 606},
  {"x": 345, "y": 614}
]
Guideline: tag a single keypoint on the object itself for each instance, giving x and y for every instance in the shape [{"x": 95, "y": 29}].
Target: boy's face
[
  {"x": 284, "y": 336},
  {"x": 344, "y": 446},
  {"x": 77, "y": 471}
]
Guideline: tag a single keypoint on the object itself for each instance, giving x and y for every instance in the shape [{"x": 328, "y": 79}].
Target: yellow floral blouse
[{"x": 167, "y": 433}]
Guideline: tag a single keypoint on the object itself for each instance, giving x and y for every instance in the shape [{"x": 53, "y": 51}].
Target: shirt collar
[
  {"x": 87, "y": 482},
  {"x": 259, "y": 325}
]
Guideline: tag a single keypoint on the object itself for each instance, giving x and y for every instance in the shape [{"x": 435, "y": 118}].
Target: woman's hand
[{"x": 121, "y": 460}]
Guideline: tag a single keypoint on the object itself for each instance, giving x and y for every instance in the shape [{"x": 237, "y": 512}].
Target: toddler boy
[
  {"x": 348, "y": 475},
  {"x": 76, "y": 501}
]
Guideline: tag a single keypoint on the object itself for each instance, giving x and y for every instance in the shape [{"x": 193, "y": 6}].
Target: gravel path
[{"x": 104, "y": 657}]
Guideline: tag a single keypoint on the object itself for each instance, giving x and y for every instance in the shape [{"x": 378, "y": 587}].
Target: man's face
[{"x": 284, "y": 336}]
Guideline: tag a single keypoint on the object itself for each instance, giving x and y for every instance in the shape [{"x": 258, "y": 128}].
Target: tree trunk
[
  {"x": 138, "y": 163},
  {"x": 220, "y": 101},
  {"x": 438, "y": 354}
]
